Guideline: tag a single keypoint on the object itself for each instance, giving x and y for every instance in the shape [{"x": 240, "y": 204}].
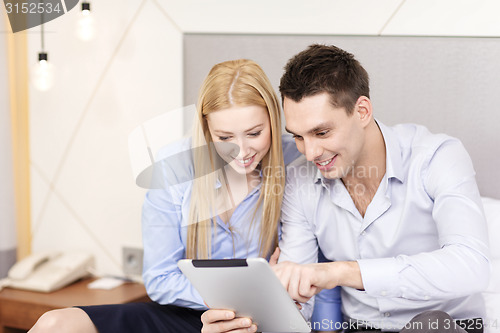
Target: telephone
[{"x": 49, "y": 271}]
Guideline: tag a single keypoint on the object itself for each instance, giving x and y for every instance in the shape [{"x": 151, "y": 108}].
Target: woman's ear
[{"x": 363, "y": 109}]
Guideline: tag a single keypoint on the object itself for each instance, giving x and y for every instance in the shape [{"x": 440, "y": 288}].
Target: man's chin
[{"x": 330, "y": 174}]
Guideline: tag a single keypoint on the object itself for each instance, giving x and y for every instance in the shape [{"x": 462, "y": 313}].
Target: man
[{"x": 397, "y": 210}]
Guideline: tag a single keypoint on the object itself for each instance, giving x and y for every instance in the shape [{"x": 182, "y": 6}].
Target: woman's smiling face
[{"x": 247, "y": 132}]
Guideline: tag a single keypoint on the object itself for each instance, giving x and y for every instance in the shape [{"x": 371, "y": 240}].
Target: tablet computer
[{"x": 250, "y": 288}]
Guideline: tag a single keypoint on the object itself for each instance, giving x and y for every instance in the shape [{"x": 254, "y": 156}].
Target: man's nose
[{"x": 312, "y": 150}]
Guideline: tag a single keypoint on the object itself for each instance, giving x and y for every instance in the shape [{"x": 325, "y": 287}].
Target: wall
[
  {"x": 7, "y": 208},
  {"x": 443, "y": 83},
  {"x": 83, "y": 192},
  {"x": 338, "y": 17}
]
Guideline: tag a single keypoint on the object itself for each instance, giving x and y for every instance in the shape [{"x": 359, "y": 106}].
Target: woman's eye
[
  {"x": 255, "y": 133},
  {"x": 223, "y": 138}
]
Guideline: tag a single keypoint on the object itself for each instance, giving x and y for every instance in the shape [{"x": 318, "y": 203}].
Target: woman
[{"x": 229, "y": 208}]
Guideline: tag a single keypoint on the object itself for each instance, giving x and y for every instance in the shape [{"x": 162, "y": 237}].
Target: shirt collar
[
  {"x": 318, "y": 177},
  {"x": 256, "y": 188},
  {"x": 394, "y": 160}
]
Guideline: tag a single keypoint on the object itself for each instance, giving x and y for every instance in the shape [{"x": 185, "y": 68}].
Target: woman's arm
[{"x": 163, "y": 247}]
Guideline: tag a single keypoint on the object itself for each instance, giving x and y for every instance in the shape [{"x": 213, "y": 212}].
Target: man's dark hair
[{"x": 329, "y": 69}]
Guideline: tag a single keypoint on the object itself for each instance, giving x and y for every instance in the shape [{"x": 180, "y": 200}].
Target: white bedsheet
[{"x": 492, "y": 293}]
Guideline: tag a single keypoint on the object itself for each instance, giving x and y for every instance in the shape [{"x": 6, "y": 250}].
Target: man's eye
[
  {"x": 322, "y": 133},
  {"x": 297, "y": 137}
]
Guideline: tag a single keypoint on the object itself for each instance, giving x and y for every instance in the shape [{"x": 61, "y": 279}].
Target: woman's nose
[{"x": 243, "y": 148}]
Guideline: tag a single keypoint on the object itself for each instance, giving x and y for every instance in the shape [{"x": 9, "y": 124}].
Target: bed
[{"x": 492, "y": 293}]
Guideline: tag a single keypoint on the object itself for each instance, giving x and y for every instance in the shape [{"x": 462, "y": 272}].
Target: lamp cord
[
  {"x": 42, "y": 38},
  {"x": 42, "y": 26}
]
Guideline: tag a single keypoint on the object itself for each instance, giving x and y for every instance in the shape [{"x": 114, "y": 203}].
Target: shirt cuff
[
  {"x": 307, "y": 309},
  {"x": 327, "y": 315},
  {"x": 380, "y": 277}
]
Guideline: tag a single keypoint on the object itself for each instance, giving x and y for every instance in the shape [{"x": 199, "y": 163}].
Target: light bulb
[
  {"x": 42, "y": 74},
  {"x": 85, "y": 29},
  {"x": 85, "y": 8}
]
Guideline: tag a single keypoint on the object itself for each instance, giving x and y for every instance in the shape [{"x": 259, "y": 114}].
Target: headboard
[{"x": 448, "y": 84}]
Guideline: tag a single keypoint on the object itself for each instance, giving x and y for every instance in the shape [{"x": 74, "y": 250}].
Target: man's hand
[
  {"x": 219, "y": 321},
  {"x": 304, "y": 281},
  {"x": 301, "y": 281}
]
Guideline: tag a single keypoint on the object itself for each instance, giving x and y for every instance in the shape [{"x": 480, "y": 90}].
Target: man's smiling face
[{"x": 326, "y": 135}]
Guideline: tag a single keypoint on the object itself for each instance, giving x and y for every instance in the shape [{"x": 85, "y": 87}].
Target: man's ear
[{"x": 363, "y": 109}]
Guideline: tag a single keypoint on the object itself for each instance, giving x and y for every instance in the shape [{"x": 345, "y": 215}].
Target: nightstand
[{"x": 20, "y": 309}]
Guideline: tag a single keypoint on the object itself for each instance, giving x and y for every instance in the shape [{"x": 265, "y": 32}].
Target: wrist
[{"x": 346, "y": 274}]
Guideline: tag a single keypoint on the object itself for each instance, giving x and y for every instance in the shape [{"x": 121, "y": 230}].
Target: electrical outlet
[{"x": 132, "y": 260}]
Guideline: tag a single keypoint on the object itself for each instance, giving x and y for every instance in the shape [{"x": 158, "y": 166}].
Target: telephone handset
[{"x": 49, "y": 271}]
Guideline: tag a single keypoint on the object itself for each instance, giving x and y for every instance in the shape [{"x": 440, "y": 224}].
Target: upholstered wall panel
[{"x": 448, "y": 84}]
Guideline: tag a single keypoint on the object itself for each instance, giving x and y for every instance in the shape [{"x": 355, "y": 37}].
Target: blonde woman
[{"x": 229, "y": 208}]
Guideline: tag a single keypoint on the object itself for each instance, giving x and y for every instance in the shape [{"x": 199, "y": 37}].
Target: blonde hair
[{"x": 233, "y": 83}]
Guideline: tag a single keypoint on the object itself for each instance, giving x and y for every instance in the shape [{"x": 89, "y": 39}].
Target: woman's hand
[
  {"x": 274, "y": 257},
  {"x": 219, "y": 321}
]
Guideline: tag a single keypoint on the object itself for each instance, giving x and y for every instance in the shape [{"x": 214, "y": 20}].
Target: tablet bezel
[{"x": 259, "y": 293}]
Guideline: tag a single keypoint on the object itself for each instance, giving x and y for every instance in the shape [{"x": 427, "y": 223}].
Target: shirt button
[
  {"x": 426, "y": 297},
  {"x": 383, "y": 293},
  {"x": 387, "y": 314},
  {"x": 363, "y": 233}
]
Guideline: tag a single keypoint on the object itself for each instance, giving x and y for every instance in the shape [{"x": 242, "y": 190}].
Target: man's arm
[
  {"x": 305, "y": 281},
  {"x": 458, "y": 268},
  {"x": 327, "y": 314},
  {"x": 299, "y": 244}
]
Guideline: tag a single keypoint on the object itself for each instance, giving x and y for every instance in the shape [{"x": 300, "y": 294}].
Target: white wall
[
  {"x": 338, "y": 17},
  {"x": 83, "y": 194},
  {"x": 7, "y": 209}
]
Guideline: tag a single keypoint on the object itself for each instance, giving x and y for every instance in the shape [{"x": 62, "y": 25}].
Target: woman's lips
[{"x": 244, "y": 163}]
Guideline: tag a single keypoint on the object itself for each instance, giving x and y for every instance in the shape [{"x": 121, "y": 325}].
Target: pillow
[
  {"x": 492, "y": 293},
  {"x": 492, "y": 212},
  {"x": 492, "y": 321}
]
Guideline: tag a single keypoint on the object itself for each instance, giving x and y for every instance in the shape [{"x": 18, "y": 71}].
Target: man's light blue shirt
[{"x": 421, "y": 245}]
